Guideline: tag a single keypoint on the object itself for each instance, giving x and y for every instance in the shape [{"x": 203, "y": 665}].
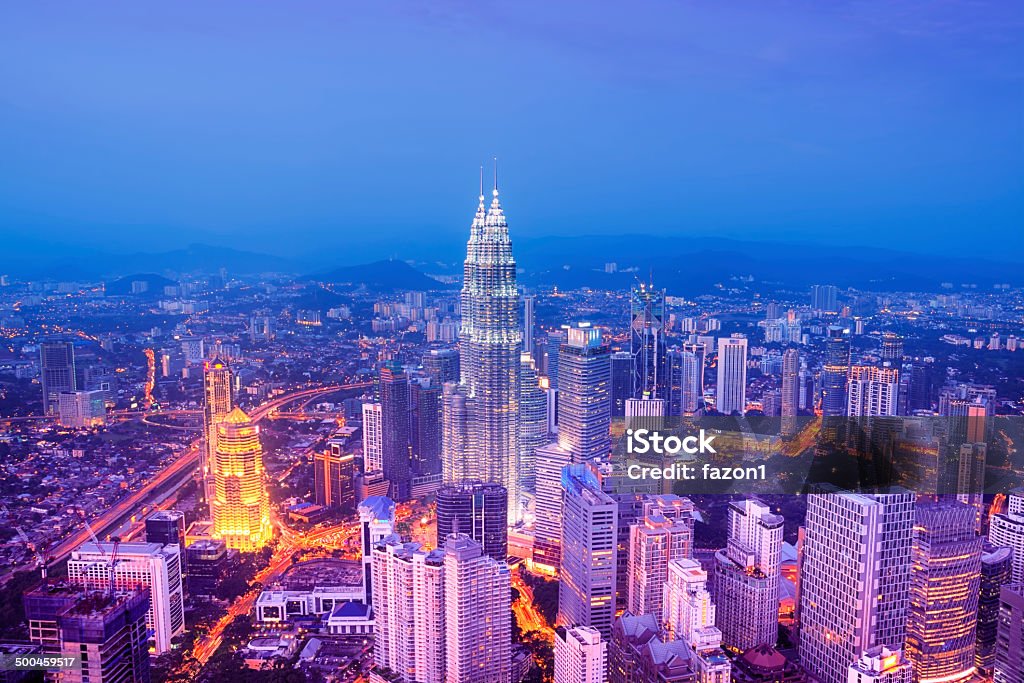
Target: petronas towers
[{"x": 480, "y": 433}]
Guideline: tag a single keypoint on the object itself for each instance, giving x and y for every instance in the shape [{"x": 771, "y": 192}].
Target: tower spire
[{"x": 495, "y": 176}]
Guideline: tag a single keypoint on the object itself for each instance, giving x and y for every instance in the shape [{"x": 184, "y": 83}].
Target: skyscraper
[
  {"x": 657, "y": 539},
  {"x": 732, "y": 375},
  {"x": 425, "y": 427},
  {"x": 441, "y": 365},
  {"x": 996, "y": 572},
  {"x": 1006, "y": 530},
  {"x": 872, "y": 392},
  {"x": 880, "y": 664},
  {"x": 580, "y": 655},
  {"x": 57, "y": 372},
  {"x": 533, "y": 421},
  {"x": 622, "y": 382},
  {"x": 334, "y": 480},
  {"x": 790, "y": 391},
  {"x": 944, "y": 584},
  {"x": 692, "y": 377},
  {"x": 584, "y": 400},
  {"x": 166, "y": 527},
  {"x": 834, "y": 373},
  {"x": 480, "y": 439},
  {"x": 823, "y": 298},
  {"x": 373, "y": 438},
  {"x": 1009, "y": 666},
  {"x": 586, "y": 591},
  {"x": 647, "y": 339},
  {"x": 395, "y": 430},
  {"x": 376, "y": 523},
  {"x": 477, "y": 614},
  {"x": 106, "y": 636},
  {"x": 477, "y": 510},
  {"x": 529, "y": 322},
  {"x": 689, "y": 615},
  {"x": 547, "y": 543},
  {"x": 240, "y": 505},
  {"x": 855, "y": 578},
  {"x": 219, "y": 400},
  {"x": 747, "y": 576}
]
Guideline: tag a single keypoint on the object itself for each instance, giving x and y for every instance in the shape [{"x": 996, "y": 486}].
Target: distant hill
[
  {"x": 386, "y": 276},
  {"x": 210, "y": 259},
  {"x": 123, "y": 286}
]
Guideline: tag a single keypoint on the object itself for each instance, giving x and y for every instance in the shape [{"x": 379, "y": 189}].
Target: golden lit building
[
  {"x": 218, "y": 393},
  {"x": 240, "y": 506}
]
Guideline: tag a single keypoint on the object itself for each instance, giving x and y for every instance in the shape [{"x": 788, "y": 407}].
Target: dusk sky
[{"x": 295, "y": 128}]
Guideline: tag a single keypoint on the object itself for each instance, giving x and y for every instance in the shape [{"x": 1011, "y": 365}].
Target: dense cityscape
[{"x": 381, "y": 474}]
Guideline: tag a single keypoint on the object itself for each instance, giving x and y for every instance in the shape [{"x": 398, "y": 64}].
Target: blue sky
[{"x": 359, "y": 127}]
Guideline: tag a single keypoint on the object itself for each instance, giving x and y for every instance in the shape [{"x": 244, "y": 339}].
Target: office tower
[
  {"x": 655, "y": 541},
  {"x": 747, "y": 576},
  {"x": 136, "y": 565},
  {"x": 848, "y": 607},
  {"x": 622, "y": 381},
  {"x": 425, "y": 426},
  {"x": 771, "y": 403},
  {"x": 584, "y": 399},
  {"x": 823, "y": 298},
  {"x": 1009, "y": 666},
  {"x": 732, "y": 375},
  {"x": 529, "y": 322},
  {"x": 834, "y": 373},
  {"x": 57, "y": 372},
  {"x": 105, "y": 633},
  {"x": 166, "y": 527},
  {"x": 477, "y": 614},
  {"x": 996, "y": 572},
  {"x": 533, "y": 422},
  {"x": 547, "y": 543},
  {"x": 647, "y": 339},
  {"x": 240, "y": 506},
  {"x": 892, "y": 347},
  {"x": 586, "y": 592},
  {"x": 207, "y": 562},
  {"x": 376, "y": 522},
  {"x": 970, "y": 484},
  {"x": 580, "y": 655},
  {"x": 944, "y": 582},
  {"x": 879, "y": 664},
  {"x": 552, "y": 343},
  {"x": 441, "y": 365},
  {"x": 477, "y": 510},
  {"x": 480, "y": 438},
  {"x": 373, "y": 438},
  {"x": 261, "y": 328},
  {"x": 409, "y": 609},
  {"x": 42, "y": 605},
  {"x": 218, "y": 401},
  {"x": 674, "y": 381},
  {"x": 395, "y": 430},
  {"x": 334, "y": 484},
  {"x": 920, "y": 392},
  {"x": 1006, "y": 530},
  {"x": 872, "y": 392},
  {"x": 790, "y": 391},
  {"x": 689, "y": 615},
  {"x": 692, "y": 378},
  {"x": 82, "y": 409}
]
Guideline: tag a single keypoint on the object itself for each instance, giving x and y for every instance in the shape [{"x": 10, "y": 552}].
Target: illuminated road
[{"x": 527, "y": 615}]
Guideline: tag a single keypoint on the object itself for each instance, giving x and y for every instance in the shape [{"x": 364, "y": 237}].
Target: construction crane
[
  {"x": 116, "y": 540},
  {"x": 40, "y": 560}
]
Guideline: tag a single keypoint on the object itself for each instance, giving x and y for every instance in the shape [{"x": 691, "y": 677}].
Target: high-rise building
[
  {"x": 549, "y": 461},
  {"x": 373, "y": 438},
  {"x": 790, "y": 391},
  {"x": 944, "y": 585},
  {"x": 533, "y": 422},
  {"x": 692, "y": 379},
  {"x": 732, "y": 375},
  {"x": 892, "y": 347},
  {"x": 747, "y": 576},
  {"x": 637, "y": 653},
  {"x": 689, "y": 615},
  {"x": 1006, "y": 530},
  {"x": 240, "y": 506},
  {"x": 581, "y": 656},
  {"x": 334, "y": 480},
  {"x": 996, "y": 572},
  {"x": 622, "y": 381},
  {"x": 441, "y": 365},
  {"x": 480, "y": 438},
  {"x": 376, "y": 522},
  {"x": 834, "y": 372},
  {"x": 529, "y": 322},
  {"x": 647, "y": 340},
  {"x": 218, "y": 401},
  {"x": 880, "y": 664},
  {"x": 57, "y": 372},
  {"x": 207, "y": 562},
  {"x": 425, "y": 426},
  {"x": 477, "y": 510},
  {"x": 872, "y": 391},
  {"x": 823, "y": 298},
  {"x": 1009, "y": 667},
  {"x": 656, "y": 540},
  {"x": 586, "y": 591},
  {"x": 82, "y": 409},
  {"x": 166, "y": 527},
  {"x": 848, "y": 607},
  {"x": 477, "y": 614},
  {"x": 584, "y": 399},
  {"x": 409, "y": 610},
  {"x": 395, "y": 430},
  {"x": 135, "y": 565}
]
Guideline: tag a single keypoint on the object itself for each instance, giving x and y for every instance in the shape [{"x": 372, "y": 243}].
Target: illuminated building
[
  {"x": 376, "y": 522},
  {"x": 872, "y": 392},
  {"x": 57, "y": 372},
  {"x": 689, "y": 615},
  {"x": 580, "y": 655},
  {"x": 240, "y": 505},
  {"x": 622, "y": 382},
  {"x": 533, "y": 422},
  {"x": 477, "y": 614},
  {"x": 765, "y": 664},
  {"x": 879, "y": 664},
  {"x": 944, "y": 584},
  {"x": 166, "y": 527},
  {"x": 409, "y": 606},
  {"x": 834, "y": 373},
  {"x": 441, "y": 365},
  {"x": 638, "y": 654},
  {"x": 659, "y": 537},
  {"x": 732, "y": 375},
  {"x": 396, "y": 457},
  {"x": 82, "y": 409},
  {"x": 480, "y": 437},
  {"x": 849, "y": 607},
  {"x": 1006, "y": 530},
  {"x": 586, "y": 590},
  {"x": 1009, "y": 666},
  {"x": 477, "y": 510},
  {"x": 529, "y": 323},
  {"x": 647, "y": 340},
  {"x": 334, "y": 480},
  {"x": 790, "y": 391},
  {"x": 373, "y": 438},
  {"x": 218, "y": 401},
  {"x": 996, "y": 572},
  {"x": 892, "y": 346},
  {"x": 150, "y": 565},
  {"x": 548, "y": 463},
  {"x": 584, "y": 399},
  {"x": 823, "y": 298},
  {"x": 425, "y": 426}
]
